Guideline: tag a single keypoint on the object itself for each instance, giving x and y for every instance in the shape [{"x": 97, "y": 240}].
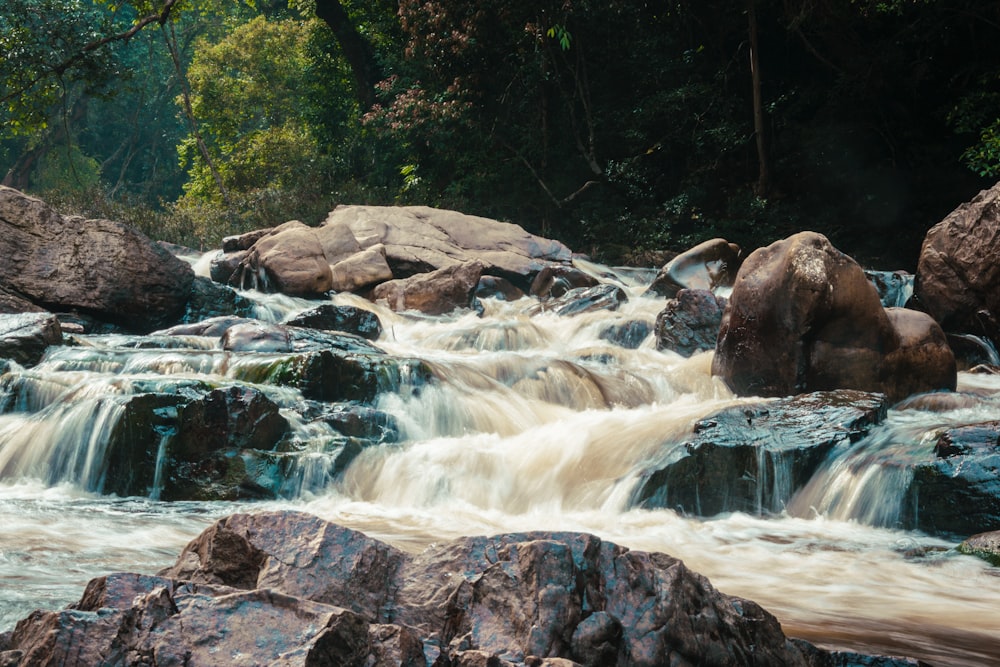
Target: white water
[{"x": 536, "y": 423}]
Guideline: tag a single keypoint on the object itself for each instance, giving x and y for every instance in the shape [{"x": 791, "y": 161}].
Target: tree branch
[{"x": 58, "y": 70}]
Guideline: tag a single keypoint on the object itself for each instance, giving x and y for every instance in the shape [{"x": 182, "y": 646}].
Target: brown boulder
[
  {"x": 290, "y": 260},
  {"x": 361, "y": 270},
  {"x": 434, "y": 293},
  {"x": 24, "y": 337},
  {"x": 99, "y": 266},
  {"x": 958, "y": 276},
  {"x": 804, "y": 317}
]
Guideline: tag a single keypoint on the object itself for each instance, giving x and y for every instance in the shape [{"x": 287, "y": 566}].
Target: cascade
[{"x": 512, "y": 420}]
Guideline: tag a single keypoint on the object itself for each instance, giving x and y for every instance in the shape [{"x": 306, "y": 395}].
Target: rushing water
[{"x": 537, "y": 422}]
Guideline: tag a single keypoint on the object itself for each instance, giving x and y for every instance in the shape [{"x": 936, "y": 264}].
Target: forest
[{"x": 626, "y": 129}]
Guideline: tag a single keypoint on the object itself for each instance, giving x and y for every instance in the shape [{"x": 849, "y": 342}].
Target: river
[{"x": 537, "y": 423}]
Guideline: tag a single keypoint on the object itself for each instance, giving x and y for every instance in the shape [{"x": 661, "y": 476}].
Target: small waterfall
[
  {"x": 868, "y": 482},
  {"x": 65, "y": 442}
]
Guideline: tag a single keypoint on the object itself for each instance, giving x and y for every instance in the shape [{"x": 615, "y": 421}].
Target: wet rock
[
  {"x": 707, "y": 266},
  {"x": 210, "y": 299},
  {"x": 581, "y": 300},
  {"x": 554, "y": 281},
  {"x": 210, "y": 447},
  {"x": 434, "y": 293},
  {"x": 629, "y": 334},
  {"x": 213, "y": 327},
  {"x": 753, "y": 457},
  {"x": 256, "y": 336},
  {"x": 495, "y": 287},
  {"x": 334, "y": 375},
  {"x": 356, "y": 421},
  {"x": 25, "y": 337},
  {"x": 983, "y": 545},
  {"x": 225, "y": 267},
  {"x": 803, "y": 317},
  {"x": 105, "y": 268},
  {"x": 330, "y": 317},
  {"x": 288, "y": 588},
  {"x": 958, "y": 278},
  {"x": 690, "y": 322},
  {"x": 958, "y": 493}
]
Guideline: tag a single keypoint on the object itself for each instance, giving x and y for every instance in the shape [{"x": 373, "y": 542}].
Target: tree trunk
[
  {"x": 356, "y": 49},
  {"x": 764, "y": 177},
  {"x": 19, "y": 175}
]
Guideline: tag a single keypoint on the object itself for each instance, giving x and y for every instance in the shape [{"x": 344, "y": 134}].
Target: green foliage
[{"x": 67, "y": 169}]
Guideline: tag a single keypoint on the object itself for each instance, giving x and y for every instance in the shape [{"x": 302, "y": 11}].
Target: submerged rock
[
  {"x": 581, "y": 300},
  {"x": 753, "y": 457},
  {"x": 286, "y": 588}
]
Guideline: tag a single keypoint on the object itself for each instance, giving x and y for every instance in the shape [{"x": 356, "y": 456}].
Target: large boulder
[
  {"x": 958, "y": 277},
  {"x": 103, "y": 267},
  {"x": 803, "y": 316}
]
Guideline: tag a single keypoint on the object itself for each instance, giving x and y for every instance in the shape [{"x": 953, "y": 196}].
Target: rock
[
  {"x": 958, "y": 278},
  {"x": 958, "y": 492},
  {"x": 256, "y": 336},
  {"x": 225, "y": 268},
  {"x": 629, "y": 334},
  {"x": 707, "y": 266},
  {"x": 554, "y": 281},
  {"x": 495, "y": 287},
  {"x": 434, "y": 293},
  {"x": 753, "y": 457},
  {"x": 289, "y": 260},
  {"x": 357, "y": 421},
  {"x": 287, "y": 588},
  {"x": 803, "y": 317},
  {"x": 923, "y": 361},
  {"x": 983, "y": 545},
  {"x": 690, "y": 322},
  {"x": 420, "y": 239},
  {"x": 99, "y": 266},
  {"x": 330, "y": 317},
  {"x": 13, "y": 303},
  {"x": 25, "y": 337},
  {"x": 334, "y": 375},
  {"x": 212, "y": 326},
  {"x": 209, "y": 448},
  {"x": 361, "y": 271},
  {"x": 586, "y": 299},
  {"x": 210, "y": 299},
  {"x": 244, "y": 241}
]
